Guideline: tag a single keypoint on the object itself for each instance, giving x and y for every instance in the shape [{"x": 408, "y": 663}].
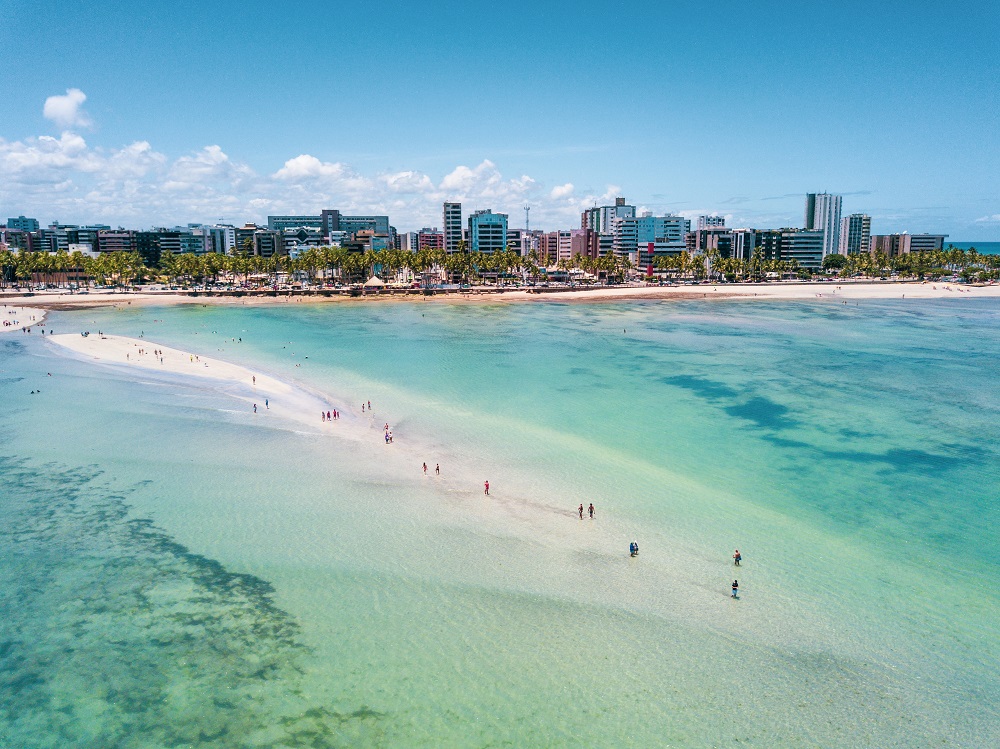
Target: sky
[{"x": 145, "y": 114}]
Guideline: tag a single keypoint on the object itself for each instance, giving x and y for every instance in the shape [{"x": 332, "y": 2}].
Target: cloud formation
[{"x": 66, "y": 110}]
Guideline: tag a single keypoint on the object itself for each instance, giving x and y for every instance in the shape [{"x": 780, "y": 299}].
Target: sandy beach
[
  {"x": 264, "y": 396},
  {"x": 17, "y": 317},
  {"x": 827, "y": 291}
]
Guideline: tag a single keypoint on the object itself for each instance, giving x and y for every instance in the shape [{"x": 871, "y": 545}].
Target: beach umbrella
[{"x": 374, "y": 281}]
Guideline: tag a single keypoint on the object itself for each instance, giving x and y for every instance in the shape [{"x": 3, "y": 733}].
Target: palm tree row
[{"x": 329, "y": 263}]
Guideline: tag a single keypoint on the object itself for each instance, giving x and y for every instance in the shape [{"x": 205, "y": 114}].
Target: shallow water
[{"x": 174, "y": 541}]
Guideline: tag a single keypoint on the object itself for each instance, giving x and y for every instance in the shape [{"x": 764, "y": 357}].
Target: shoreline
[
  {"x": 37, "y": 302},
  {"x": 266, "y": 396},
  {"x": 17, "y": 318}
]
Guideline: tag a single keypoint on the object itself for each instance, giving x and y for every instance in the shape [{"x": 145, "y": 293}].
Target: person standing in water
[
  {"x": 736, "y": 588},
  {"x": 591, "y": 510},
  {"x": 737, "y": 557}
]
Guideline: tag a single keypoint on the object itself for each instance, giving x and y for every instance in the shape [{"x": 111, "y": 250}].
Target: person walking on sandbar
[
  {"x": 591, "y": 510},
  {"x": 737, "y": 557},
  {"x": 581, "y": 512},
  {"x": 736, "y": 588},
  {"x": 486, "y": 487}
]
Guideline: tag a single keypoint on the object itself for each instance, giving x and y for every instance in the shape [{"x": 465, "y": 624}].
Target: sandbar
[
  {"x": 263, "y": 396},
  {"x": 16, "y": 317}
]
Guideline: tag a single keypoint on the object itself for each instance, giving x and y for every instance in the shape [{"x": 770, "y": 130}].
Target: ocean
[
  {"x": 176, "y": 571},
  {"x": 983, "y": 248}
]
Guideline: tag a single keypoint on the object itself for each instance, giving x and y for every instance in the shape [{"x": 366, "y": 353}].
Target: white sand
[
  {"x": 780, "y": 290},
  {"x": 274, "y": 399},
  {"x": 791, "y": 291},
  {"x": 13, "y": 318}
]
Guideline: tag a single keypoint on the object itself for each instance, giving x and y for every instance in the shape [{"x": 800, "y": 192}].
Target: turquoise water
[
  {"x": 177, "y": 572},
  {"x": 983, "y": 248}
]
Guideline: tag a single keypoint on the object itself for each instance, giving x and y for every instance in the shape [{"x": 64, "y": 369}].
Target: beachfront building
[
  {"x": 524, "y": 242},
  {"x": 555, "y": 246},
  {"x": 487, "y": 231},
  {"x": 430, "y": 239},
  {"x": 602, "y": 219},
  {"x": 407, "y": 241},
  {"x": 804, "y": 246},
  {"x": 585, "y": 243},
  {"x": 23, "y": 224},
  {"x": 452, "y": 226},
  {"x": 643, "y": 238},
  {"x": 855, "y": 234},
  {"x": 714, "y": 240},
  {"x": 332, "y": 221},
  {"x": 823, "y": 214},
  {"x": 711, "y": 222},
  {"x": 222, "y": 238},
  {"x": 280, "y": 223},
  {"x": 893, "y": 245}
]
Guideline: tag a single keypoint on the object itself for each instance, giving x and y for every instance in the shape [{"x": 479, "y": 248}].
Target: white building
[
  {"x": 823, "y": 214},
  {"x": 855, "y": 234}
]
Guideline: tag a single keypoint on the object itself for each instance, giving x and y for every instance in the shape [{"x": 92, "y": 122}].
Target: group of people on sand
[
  {"x": 589, "y": 509},
  {"x": 437, "y": 469},
  {"x": 329, "y": 415}
]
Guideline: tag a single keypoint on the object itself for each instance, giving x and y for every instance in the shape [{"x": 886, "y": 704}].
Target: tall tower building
[
  {"x": 487, "y": 231},
  {"x": 711, "y": 222},
  {"x": 824, "y": 216},
  {"x": 855, "y": 234},
  {"x": 452, "y": 226}
]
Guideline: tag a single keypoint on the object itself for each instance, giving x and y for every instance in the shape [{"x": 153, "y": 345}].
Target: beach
[
  {"x": 414, "y": 610},
  {"x": 827, "y": 291},
  {"x": 16, "y": 318}
]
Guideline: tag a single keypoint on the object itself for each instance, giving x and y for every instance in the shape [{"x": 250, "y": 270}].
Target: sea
[
  {"x": 983, "y": 248},
  {"x": 177, "y": 571}
]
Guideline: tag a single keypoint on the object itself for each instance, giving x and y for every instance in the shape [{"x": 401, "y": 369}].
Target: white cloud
[
  {"x": 137, "y": 186},
  {"x": 561, "y": 191},
  {"x": 408, "y": 182},
  {"x": 994, "y": 219},
  {"x": 66, "y": 110}
]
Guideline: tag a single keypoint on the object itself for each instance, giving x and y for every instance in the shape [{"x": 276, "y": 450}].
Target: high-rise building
[
  {"x": 893, "y": 245},
  {"x": 452, "y": 226},
  {"x": 855, "y": 234},
  {"x": 665, "y": 233},
  {"x": 823, "y": 214},
  {"x": 805, "y": 246},
  {"x": 602, "y": 219},
  {"x": 280, "y": 223},
  {"x": 430, "y": 239},
  {"x": 23, "y": 224},
  {"x": 711, "y": 222},
  {"x": 487, "y": 231}
]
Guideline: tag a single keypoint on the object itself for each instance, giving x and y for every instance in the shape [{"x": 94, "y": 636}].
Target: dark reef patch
[{"x": 115, "y": 635}]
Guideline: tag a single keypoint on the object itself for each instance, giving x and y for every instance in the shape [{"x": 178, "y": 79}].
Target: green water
[{"x": 177, "y": 572}]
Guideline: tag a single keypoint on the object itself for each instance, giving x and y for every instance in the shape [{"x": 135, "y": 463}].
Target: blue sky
[{"x": 176, "y": 112}]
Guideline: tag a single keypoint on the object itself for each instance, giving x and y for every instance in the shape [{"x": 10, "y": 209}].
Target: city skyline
[{"x": 208, "y": 126}]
